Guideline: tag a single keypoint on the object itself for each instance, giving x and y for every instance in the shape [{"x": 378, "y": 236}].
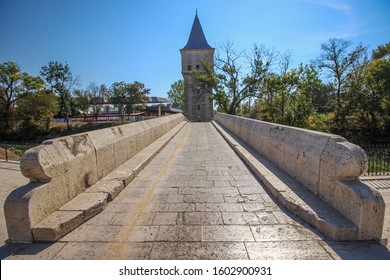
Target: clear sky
[{"x": 106, "y": 41}]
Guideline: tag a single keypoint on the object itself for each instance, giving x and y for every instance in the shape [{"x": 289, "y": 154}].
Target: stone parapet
[
  {"x": 61, "y": 169},
  {"x": 327, "y": 165}
]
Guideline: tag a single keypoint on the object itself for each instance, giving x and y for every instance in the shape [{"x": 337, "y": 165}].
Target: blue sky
[{"x": 139, "y": 40}]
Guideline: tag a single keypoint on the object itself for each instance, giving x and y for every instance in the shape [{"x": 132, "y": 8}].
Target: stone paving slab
[
  {"x": 173, "y": 210},
  {"x": 281, "y": 250},
  {"x": 199, "y": 251}
]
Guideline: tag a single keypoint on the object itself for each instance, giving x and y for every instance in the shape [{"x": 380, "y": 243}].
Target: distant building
[
  {"x": 160, "y": 106},
  {"x": 109, "y": 110},
  {"x": 197, "y": 99}
]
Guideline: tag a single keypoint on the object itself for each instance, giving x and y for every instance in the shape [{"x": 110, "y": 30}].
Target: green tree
[
  {"x": 367, "y": 92},
  {"x": 96, "y": 96},
  {"x": 60, "y": 80},
  {"x": 289, "y": 98},
  {"x": 236, "y": 76},
  {"x": 91, "y": 100},
  {"x": 105, "y": 93},
  {"x": 270, "y": 101},
  {"x": 382, "y": 52},
  {"x": 286, "y": 81},
  {"x": 36, "y": 111},
  {"x": 176, "y": 94},
  {"x": 119, "y": 95},
  {"x": 307, "y": 82},
  {"x": 128, "y": 96},
  {"x": 339, "y": 63},
  {"x": 137, "y": 96},
  {"x": 377, "y": 81},
  {"x": 81, "y": 102},
  {"x": 15, "y": 85}
]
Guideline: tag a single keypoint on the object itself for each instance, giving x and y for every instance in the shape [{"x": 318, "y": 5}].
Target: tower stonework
[{"x": 197, "y": 98}]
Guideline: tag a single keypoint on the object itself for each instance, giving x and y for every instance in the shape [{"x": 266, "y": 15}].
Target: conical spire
[{"x": 197, "y": 40}]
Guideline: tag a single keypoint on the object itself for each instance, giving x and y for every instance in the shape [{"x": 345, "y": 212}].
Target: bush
[{"x": 319, "y": 122}]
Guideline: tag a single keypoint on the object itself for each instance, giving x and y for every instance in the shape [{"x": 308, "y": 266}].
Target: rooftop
[{"x": 197, "y": 40}]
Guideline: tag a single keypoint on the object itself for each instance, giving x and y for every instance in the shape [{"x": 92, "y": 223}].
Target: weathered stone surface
[
  {"x": 57, "y": 225},
  {"x": 197, "y": 103},
  {"x": 371, "y": 205},
  {"x": 320, "y": 215},
  {"x": 92, "y": 233},
  {"x": 279, "y": 232},
  {"x": 11, "y": 178},
  {"x": 18, "y": 219},
  {"x": 68, "y": 166},
  {"x": 88, "y": 203},
  {"x": 106, "y": 251},
  {"x": 80, "y": 170},
  {"x": 281, "y": 250},
  {"x": 179, "y": 233},
  {"x": 227, "y": 233},
  {"x": 240, "y": 218},
  {"x": 202, "y": 218},
  {"x": 127, "y": 228},
  {"x": 325, "y": 164},
  {"x": 105, "y": 153},
  {"x": 69, "y": 216},
  {"x": 110, "y": 187},
  {"x": 124, "y": 176},
  {"x": 294, "y": 197},
  {"x": 137, "y": 234},
  {"x": 199, "y": 251},
  {"x": 31, "y": 251},
  {"x": 82, "y": 251}
]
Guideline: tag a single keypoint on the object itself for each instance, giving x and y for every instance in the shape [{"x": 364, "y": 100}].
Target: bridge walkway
[{"x": 195, "y": 200}]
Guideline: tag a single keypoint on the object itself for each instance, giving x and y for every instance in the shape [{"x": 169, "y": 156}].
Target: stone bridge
[{"x": 165, "y": 188}]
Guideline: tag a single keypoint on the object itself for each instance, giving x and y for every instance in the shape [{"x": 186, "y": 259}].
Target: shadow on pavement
[
  {"x": 24, "y": 251},
  {"x": 360, "y": 250}
]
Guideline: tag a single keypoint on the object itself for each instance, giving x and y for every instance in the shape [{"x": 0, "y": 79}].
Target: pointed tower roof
[{"x": 197, "y": 40}]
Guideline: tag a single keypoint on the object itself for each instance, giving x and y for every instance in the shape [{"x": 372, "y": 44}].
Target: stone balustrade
[
  {"x": 327, "y": 165},
  {"x": 67, "y": 171}
]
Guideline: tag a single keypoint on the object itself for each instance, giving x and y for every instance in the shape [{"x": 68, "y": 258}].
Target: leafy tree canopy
[
  {"x": 15, "y": 85},
  {"x": 176, "y": 94}
]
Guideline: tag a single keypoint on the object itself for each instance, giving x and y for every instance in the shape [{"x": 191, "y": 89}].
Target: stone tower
[{"x": 197, "y": 103}]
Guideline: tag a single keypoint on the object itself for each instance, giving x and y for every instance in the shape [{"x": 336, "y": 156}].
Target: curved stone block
[
  {"x": 327, "y": 165},
  {"x": 60, "y": 169}
]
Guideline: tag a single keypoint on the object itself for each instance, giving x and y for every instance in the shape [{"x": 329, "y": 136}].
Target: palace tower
[{"x": 197, "y": 98}]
